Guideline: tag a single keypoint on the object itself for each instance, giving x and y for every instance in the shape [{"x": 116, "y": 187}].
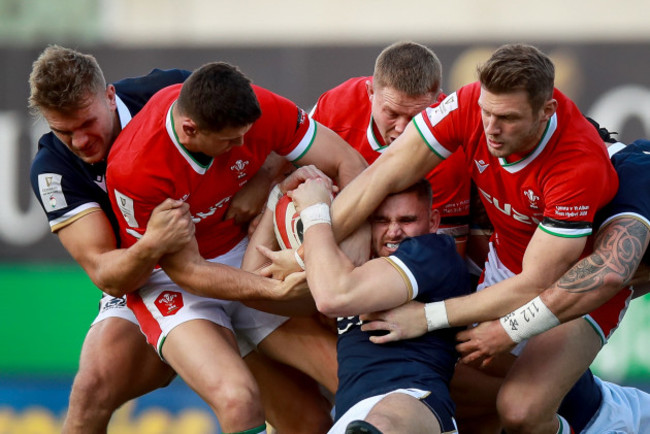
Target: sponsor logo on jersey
[
  {"x": 532, "y": 198},
  {"x": 125, "y": 204},
  {"x": 239, "y": 168},
  {"x": 51, "y": 191},
  {"x": 481, "y": 165},
  {"x": 169, "y": 302},
  {"x": 101, "y": 182},
  {"x": 437, "y": 113},
  {"x": 107, "y": 302},
  {"x": 508, "y": 210},
  {"x": 205, "y": 214}
]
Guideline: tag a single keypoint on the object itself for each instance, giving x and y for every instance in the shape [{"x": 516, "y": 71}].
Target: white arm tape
[
  {"x": 436, "y": 314},
  {"x": 529, "y": 320},
  {"x": 274, "y": 197},
  {"x": 315, "y": 214}
]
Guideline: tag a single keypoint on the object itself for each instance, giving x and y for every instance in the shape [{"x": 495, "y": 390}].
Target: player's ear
[
  {"x": 110, "y": 96},
  {"x": 369, "y": 89},
  {"x": 549, "y": 108},
  {"x": 434, "y": 221},
  {"x": 189, "y": 127}
]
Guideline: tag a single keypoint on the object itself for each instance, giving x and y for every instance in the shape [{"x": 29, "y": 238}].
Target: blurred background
[{"x": 296, "y": 49}]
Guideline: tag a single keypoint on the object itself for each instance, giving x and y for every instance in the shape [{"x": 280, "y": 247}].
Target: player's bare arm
[
  {"x": 209, "y": 279},
  {"x": 540, "y": 270},
  {"x": 618, "y": 251},
  {"x": 405, "y": 161},
  {"x": 547, "y": 257},
  {"x": 338, "y": 287},
  {"x": 334, "y": 156},
  {"x": 248, "y": 202},
  {"x": 91, "y": 241}
]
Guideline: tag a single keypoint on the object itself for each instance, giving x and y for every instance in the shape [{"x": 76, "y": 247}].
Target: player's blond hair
[
  {"x": 64, "y": 79},
  {"x": 408, "y": 67},
  {"x": 515, "y": 67}
]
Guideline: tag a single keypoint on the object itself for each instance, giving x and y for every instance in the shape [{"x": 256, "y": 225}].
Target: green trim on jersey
[
  {"x": 557, "y": 234},
  {"x": 425, "y": 140},
  {"x": 256, "y": 430},
  {"x": 311, "y": 142},
  {"x": 182, "y": 147},
  {"x": 596, "y": 328},
  {"x": 504, "y": 162}
]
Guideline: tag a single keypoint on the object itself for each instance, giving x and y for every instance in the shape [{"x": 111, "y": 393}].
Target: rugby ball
[{"x": 287, "y": 224}]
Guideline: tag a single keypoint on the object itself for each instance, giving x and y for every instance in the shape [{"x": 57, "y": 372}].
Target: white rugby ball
[{"x": 287, "y": 224}]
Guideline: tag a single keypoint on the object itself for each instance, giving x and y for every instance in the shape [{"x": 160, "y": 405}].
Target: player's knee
[
  {"x": 516, "y": 415},
  {"x": 235, "y": 400},
  {"x": 94, "y": 391}
]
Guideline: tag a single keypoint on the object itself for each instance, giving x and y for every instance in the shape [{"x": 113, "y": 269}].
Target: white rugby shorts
[{"x": 161, "y": 305}]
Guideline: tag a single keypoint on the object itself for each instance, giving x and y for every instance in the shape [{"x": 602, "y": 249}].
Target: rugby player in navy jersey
[{"x": 403, "y": 387}]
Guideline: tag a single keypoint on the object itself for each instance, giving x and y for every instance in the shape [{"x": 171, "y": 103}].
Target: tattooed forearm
[{"x": 617, "y": 252}]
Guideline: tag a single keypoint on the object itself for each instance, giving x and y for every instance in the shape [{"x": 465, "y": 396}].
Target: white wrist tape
[
  {"x": 529, "y": 320},
  {"x": 436, "y": 315},
  {"x": 315, "y": 214},
  {"x": 274, "y": 197},
  {"x": 299, "y": 259}
]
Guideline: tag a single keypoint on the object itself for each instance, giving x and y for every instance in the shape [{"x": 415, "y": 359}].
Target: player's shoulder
[
  {"x": 423, "y": 248},
  {"x": 51, "y": 154},
  {"x": 355, "y": 84},
  {"x": 152, "y": 82}
]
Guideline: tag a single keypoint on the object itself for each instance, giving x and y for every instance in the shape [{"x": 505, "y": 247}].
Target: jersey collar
[
  {"x": 551, "y": 126},
  {"x": 171, "y": 132},
  {"x": 122, "y": 112},
  {"x": 615, "y": 147},
  {"x": 376, "y": 143}
]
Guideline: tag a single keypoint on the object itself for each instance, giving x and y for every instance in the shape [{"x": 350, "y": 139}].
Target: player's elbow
[
  {"x": 331, "y": 305},
  {"x": 114, "y": 291},
  {"x": 612, "y": 283}
]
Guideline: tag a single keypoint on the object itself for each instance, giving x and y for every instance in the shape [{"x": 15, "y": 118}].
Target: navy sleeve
[{"x": 435, "y": 265}]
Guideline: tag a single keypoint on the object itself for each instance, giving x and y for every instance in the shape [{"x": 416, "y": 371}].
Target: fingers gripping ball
[{"x": 287, "y": 224}]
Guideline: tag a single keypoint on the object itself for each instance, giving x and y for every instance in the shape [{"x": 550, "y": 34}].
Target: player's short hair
[
  {"x": 64, "y": 79},
  {"x": 217, "y": 96},
  {"x": 515, "y": 67},
  {"x": 408, "y": 67},
  {"x": 422, "y": 190}
]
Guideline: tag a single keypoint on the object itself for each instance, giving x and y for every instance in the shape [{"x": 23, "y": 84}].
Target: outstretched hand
[
  {"x": 282, "y": 263},
  {"x": 403, "y": 322},
  {"x": 479, "y": 345}
]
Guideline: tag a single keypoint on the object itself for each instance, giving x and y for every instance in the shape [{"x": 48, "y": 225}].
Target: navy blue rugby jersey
[
  {"x": 66, "y": 186},
  {"x": 632, "y": 164},
  {"x": 366, "y": 369}
]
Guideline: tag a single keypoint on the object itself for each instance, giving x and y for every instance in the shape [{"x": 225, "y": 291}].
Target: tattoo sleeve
[{"x": 617, "y": 253}]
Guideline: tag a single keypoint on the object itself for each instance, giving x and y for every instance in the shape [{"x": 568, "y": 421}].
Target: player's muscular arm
[
  {"x": 547, "y": 257},
  {"x": 406, "y": 160},
  {"x": 208, "y": 279},
  {"x": 91, "y": 242},
  {"x": 339, "y": 288},
  {"x": 334, "y": 156},
  {"x": 618, "y": 251}
]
